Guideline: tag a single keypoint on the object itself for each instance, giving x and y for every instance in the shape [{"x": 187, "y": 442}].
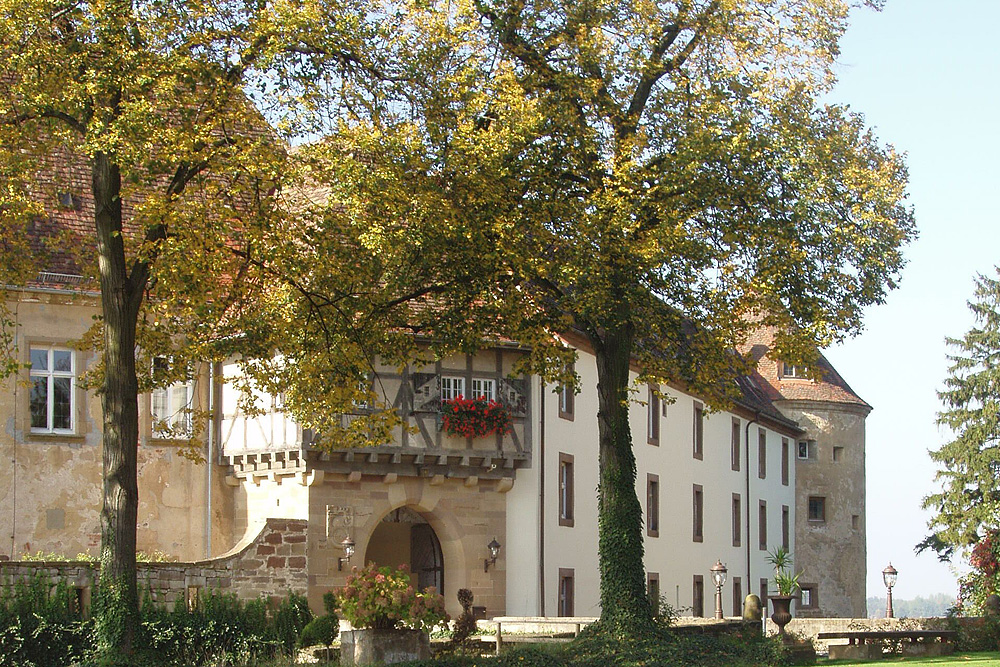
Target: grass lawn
[{"x": 990, "y": 659}]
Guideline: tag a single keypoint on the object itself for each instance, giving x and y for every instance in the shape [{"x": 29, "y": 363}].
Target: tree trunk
[
  {"x": 625, "y": 607},
  {"x": 118, "y": 612}
]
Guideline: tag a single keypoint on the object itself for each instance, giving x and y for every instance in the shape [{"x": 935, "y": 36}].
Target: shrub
[
  {"x": 290, "y": 619},
  {"x": 321, "y": 630},
  {"x": 466, "y": 623},
  {"x": 377, "y": 597},
  {"x": 40, "y": 625}
]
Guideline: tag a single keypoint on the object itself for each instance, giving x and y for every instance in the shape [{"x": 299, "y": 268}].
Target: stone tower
[{"x": 831, "y": 547}]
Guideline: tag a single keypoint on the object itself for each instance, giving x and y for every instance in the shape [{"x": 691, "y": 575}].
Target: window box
[{"x": 474, "y": 417}]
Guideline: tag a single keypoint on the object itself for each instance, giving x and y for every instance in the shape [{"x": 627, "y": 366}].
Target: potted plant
[
  {"x": 787, "y": 584},
  {"x": 389, "y": 617},
  {"x": 474, "y": 417}
]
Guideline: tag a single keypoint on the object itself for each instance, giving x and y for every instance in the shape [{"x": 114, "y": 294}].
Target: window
[
  {"x": 653, "y": 591},
  {"x": 565, "y": 489},
  {"x": 793, "y": 371},
  {"x": 737, "y": 596},
  {"x": 808, "y": 598},
  {"x": 698, "y": 431},
  {"x": 807, "y": 449},
  {"x": 736, "y": 443},
  {"x": 762, "y": 525},
  {"x": 817, "y": 508},
  {"x": 737, "y": 520},
  {"x": 698, "y": 514},
  {"x": 567, "y": 399},
  {"x": 486, "y": 389},
  {"x": 855, "y": 521},
  {"x": 53, "y": 395},
  {"x": 452, "y": 387},
  {"x": 698, "y": 596},
  {"x": 170, "y": 408},
  {"x": 653, "y": 505},
  {"x": 784, "y": 461},
  {"x": 653, "y": 416},
  {"x": 763, "y": 595},
  {"x": 761, "y": 453},
  {"x": 838, "y": 453},
  {"x": 566, "y": 592},
  {"x": 785, "y": 527}
]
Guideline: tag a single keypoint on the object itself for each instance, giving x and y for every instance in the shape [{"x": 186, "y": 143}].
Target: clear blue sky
[{"x": 926, "y": 74}]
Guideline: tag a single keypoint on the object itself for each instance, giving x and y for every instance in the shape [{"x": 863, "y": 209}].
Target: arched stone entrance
[{"x": 404, "y": 536}]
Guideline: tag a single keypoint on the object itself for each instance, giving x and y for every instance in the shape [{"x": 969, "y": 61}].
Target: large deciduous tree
[
  {"x": 659, "y": 177},
  {"x": 162, "y": 103},
  {"x": 967, "y": 509}
]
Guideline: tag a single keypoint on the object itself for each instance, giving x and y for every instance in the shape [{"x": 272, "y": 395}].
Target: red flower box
[{"x": 474, "y": 417}]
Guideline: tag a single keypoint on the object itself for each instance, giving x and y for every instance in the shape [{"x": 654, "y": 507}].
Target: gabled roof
[{"x": 827, "y": 385}]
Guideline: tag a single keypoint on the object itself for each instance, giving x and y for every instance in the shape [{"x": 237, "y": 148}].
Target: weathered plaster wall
[
  {"x": 832, "y": 553},
  {"x": 50, "y": 484}
]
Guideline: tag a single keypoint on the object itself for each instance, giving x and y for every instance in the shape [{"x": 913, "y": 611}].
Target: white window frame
[
  {"x": 50, "y": 374},
  {"x": 485, "y": 388},
  {"x": 452, "y": 386},
  {"x": 802, "y": 446},
  {"x": 178, "y": 418},
  {"x": 793, "y": 371}
]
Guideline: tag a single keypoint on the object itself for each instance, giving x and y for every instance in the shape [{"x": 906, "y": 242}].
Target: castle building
[{"x": 781, "y": 467}]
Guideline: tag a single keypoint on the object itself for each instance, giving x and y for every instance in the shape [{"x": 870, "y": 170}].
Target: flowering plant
[
  {"x": 474, "y": 417},
  {"x": 382, "y": 598},
  {"x": 984, "y": 578}
]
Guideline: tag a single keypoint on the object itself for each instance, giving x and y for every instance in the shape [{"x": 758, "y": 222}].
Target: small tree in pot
[{"x": 787, "y": 584}]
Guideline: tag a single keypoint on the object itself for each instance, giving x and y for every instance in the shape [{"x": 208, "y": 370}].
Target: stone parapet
[{"x": 271, "y": 564}]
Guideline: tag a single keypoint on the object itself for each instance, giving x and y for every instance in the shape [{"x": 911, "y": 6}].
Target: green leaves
[{"x": 968, "y": 506}]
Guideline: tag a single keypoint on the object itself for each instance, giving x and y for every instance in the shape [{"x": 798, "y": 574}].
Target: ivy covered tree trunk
[
  {"x": 625, "y": 607},
  {"x": 118, "y": 611}
]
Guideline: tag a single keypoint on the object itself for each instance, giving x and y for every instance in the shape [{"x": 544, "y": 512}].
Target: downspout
[
  {"x": 13, "y": 440},
  {"x": 210, "y": 461},
  {"x": 541, "y": 500},
  {"x": 746, "y": 460}
]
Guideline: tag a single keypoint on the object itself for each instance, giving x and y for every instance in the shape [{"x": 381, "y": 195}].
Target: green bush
[
  {"x": 662, "y": 648},
  {"x": 322, "y": 630},
  {"x": 40, "y": 625}
]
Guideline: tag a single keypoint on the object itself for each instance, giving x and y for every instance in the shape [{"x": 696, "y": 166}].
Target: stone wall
[
  {"x": 810, "y": 627},
  {"x": 270, "y": 564}
]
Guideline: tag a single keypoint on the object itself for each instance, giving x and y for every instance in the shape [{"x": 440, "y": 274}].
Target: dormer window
[{"x": 794, "y": 371}]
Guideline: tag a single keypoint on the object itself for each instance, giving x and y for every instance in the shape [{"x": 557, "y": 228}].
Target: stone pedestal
[
  {"x": 928, "y": 648},
  {"x": 855, "y": 651},
  {"x": 382, "y": 647}
]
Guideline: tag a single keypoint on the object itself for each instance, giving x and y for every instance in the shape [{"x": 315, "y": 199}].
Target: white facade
[{"x": 539, "y": 548}]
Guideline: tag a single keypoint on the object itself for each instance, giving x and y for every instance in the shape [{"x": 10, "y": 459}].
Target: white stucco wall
[{"x": 673, "y": 555}]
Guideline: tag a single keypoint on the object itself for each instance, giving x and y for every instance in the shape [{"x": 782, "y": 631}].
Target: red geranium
[{"x": 474, "y": 417}]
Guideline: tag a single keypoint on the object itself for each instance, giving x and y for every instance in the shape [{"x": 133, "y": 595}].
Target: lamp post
[
  {"x": 348, "y": 546},
  {"x": 889, "y": 575},
  {"x": 494, "y": 548},
  {"x": 719, "y": 573}
]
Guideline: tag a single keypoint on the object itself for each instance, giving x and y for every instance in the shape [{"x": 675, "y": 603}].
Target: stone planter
[
  {"x": 369, "y": 646},
  {"x": 782, "y": 611}
]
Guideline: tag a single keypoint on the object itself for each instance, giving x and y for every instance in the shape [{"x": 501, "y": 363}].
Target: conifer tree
[{"x": 968, "y": 505}]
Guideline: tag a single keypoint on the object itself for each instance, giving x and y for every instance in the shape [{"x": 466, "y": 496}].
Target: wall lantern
[
  {"x": 889, "y": 575},
  {"x": 719, "y": 573},
  {"x": 494, "y": 548},
  {"x": 348, "y": 546}
]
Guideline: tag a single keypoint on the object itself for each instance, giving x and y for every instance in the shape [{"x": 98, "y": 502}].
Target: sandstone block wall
[{"x": 271, "y": 564}]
